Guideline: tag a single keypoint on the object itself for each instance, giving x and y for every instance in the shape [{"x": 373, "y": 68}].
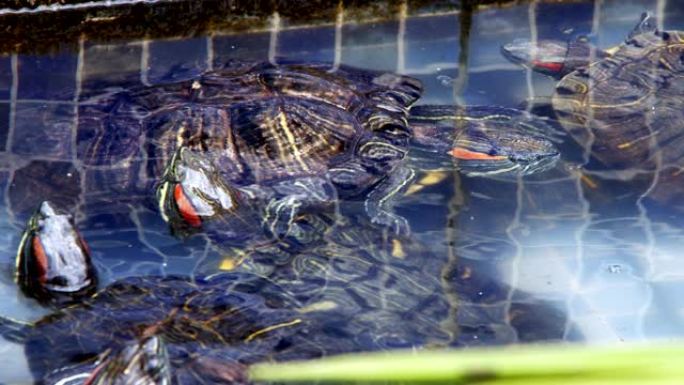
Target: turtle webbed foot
[
  {"x": 378, "y": 204},
  {"x": 398, "y": 224}
]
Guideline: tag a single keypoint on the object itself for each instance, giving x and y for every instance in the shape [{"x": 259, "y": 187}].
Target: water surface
[{"x": 595, "y": 254}]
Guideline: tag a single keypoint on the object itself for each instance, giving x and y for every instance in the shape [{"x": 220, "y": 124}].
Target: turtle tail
[{"x": 13, "y": 330}]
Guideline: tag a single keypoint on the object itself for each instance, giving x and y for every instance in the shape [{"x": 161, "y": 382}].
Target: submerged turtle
[
  {"x": 624, "y": 105},
  {"x": 283, "y": 138},
  {"x": 145, "y": 361},
  {"x": 229, "y": 318},
  {"x": 354, "y": 290},
  {"x": 239, "y": 317}
]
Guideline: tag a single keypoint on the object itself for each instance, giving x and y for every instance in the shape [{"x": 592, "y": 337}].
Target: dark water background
[{"x": 605, "y": 259}]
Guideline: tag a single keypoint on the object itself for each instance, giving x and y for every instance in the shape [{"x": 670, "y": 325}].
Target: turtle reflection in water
[
  {"x": 624, "y": 105},
  {"x": 282, "y": 139},
  {"x": 350, "y": 292}
]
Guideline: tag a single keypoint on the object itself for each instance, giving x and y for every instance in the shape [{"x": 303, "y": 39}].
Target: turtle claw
[{"x": 397, "y": 223}]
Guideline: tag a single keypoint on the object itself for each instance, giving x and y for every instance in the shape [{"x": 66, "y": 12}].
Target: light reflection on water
[{"x": 588, "y": 247}]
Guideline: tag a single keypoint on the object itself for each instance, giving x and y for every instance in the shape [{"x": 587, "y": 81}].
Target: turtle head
[
  {"x": 491, "y": 150},
  {"x": 138, "y": 362},
  {"x": 556, "y": 58},
  {"x": 481, "y": 140},
  {"x": 53, "y": 260},
  {"x": 192, "y": 197}
]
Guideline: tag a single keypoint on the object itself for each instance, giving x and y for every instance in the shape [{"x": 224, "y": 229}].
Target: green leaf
[{"x": 522, "y": 364}]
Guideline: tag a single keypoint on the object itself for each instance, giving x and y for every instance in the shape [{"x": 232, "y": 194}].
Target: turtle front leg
[
  {"x": 290, "y": 198},
  {"x": 380, "y": 200}
]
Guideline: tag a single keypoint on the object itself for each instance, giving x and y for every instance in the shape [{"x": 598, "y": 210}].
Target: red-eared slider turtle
[
  {"x": 232, "y": 318},
  {"x": 623, "y": 105},
  {"x": 53, "y": 261},
  {"x": 283, "y": 138},
  {"x": 354, "y": 290},
  {"x": 144, "y": 361}
]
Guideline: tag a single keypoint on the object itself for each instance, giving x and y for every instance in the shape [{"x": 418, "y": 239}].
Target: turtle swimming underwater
[
  {"x": 145, "y": 361},
  {"x": 283, "y": 139},
  {"x": 355, "y": 290},
  {"x": 229, "y": 318},
  {"x": 624, "y": 105}
]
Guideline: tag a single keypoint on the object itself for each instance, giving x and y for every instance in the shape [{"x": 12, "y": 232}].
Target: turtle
[
  {"x": 284, "y": 138},
  {"x": 354, "y": 289},
  {"x": 144, "y": 361},
  {"x": 147, "y": 361},
  {"x": 53, "y": 263},
  {"x": 195, "y": 196},
  {"x": 623, "y": 105},
  {"x": 229, "y": 318}
]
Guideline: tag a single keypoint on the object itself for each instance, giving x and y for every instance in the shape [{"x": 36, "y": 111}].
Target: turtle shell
[
  {"x": 243, "y": 317},
  {"x": 263, "y": 121},
  {"x": 627, "y": 110},
  {"x": 355, "y": 289}
]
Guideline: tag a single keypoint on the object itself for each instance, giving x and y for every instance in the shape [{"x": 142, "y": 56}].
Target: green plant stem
[{"x": 530, "y": 364}]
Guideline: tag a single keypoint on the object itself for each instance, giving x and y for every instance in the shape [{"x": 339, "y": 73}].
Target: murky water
[{"x": 573, "y": 253}]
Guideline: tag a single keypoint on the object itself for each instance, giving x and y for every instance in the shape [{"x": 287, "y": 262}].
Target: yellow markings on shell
[
  {"x": 431, "y": 178},
  {"x": 582, "y": 87},
  {"x": 398, "y": 249},
  {"x": 626, "y": 145},
  {"x": 291, "y": 140},
  {"x": 588, "y": 181},
  {"x": 318, "y": 306},
  {"x": 612, "y": 50},
  {"x": 414, "y": 188},
  {"x": 231, "y": 262},
  {"x": 666, "y": 64},
  {"x": 271, "y": 328}
]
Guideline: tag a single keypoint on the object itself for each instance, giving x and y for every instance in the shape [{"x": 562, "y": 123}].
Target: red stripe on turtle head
[
  {"x": 84, "y": 244},
  {"x": 41, "y": 259},
  {"x": 187, "y": 211},
  {"x": 548, "y": 66},
  {"x": 461, "y": 153}
]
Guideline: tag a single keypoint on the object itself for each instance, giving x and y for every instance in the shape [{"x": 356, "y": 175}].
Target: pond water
[{"x": 576, "y": 253}]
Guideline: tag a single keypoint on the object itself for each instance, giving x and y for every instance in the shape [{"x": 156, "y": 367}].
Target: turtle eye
[{"x": 185, "y": 207}]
